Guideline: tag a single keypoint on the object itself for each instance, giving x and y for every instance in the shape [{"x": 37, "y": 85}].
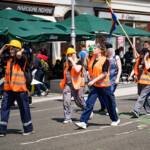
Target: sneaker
[
  {"x": 82, "y": 125},
  {"x": 103, "y": 111},
  {"x": 107, "y": 114},
  {"x": 115, "y": 123},
  {"x": 148, "y": 114},
  {"x": 28, "y": 133},
  {"x": 67, "y": 121},
  {"x": 135, "y": 114},
  {"x": 2, "y": 134}
]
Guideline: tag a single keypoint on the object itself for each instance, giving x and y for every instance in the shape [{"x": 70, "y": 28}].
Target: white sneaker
[
  {"x": 28, "y": 133},
  {"x": 82, "y": 125},
  {"x": 67, "y": 121},
  {"x": 2, "y": 134},
  {"x": 115, "y": 123},
  {"x": 43, "y": 93}
]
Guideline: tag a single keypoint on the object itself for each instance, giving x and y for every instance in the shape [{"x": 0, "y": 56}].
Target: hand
[
  {"x": 146, "y": 56},
  {"x": 70, "y": 59},
  {"x": 130, "y": 78},
  {"x": 19, "y": 53},
  {"x": 91, "y": 83},
  {"x": 4, "y": 47}
]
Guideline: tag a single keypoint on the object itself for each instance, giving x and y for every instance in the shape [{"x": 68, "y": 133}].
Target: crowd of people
[{"x": 97, "y": 70}]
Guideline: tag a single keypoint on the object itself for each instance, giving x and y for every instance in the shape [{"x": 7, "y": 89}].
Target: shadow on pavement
[
  {"x": 14, "y": 131},
  {"x": 60, "y": 120}
]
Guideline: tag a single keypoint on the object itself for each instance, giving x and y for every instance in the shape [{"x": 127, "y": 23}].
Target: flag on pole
[
  {"x": 114, "y": 21},
  {"x": 114, "y": 18}
]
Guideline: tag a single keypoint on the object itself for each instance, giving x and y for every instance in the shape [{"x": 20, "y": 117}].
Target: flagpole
[
  {"x": 73, "y": 34},
  {"x": 121, "y": 27}
]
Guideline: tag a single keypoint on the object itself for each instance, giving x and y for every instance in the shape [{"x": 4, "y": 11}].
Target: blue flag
[{"x": 114, "y": 21}]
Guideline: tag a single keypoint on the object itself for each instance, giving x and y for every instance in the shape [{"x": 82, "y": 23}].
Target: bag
[{"x": 44, "y": 65}]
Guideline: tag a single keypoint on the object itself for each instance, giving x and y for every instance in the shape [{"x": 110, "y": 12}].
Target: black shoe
[
  {"x": 30, "y": 100},
  {"x": 103, "y": 111}
]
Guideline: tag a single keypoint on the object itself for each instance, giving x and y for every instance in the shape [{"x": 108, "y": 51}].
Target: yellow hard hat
[
  {"x": 15, "y": 43},
  {"x": 70, "y": 51}
]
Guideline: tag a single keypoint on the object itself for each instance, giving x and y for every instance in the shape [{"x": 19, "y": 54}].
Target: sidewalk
[{"x": 123, "y": 89}]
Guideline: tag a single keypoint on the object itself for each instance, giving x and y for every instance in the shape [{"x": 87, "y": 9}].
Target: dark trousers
[
  {"x": 107, "y": 95},
  {"x": 39, "y": 87},
  {"x": 23, "y": 102},
  {"x": 102, "y": 102}
]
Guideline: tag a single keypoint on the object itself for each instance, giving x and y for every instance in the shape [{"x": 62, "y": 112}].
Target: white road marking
[
  {"x": 128, "y": 132},
  {"x": 45, "y": 99},
  {"x": 70, "y": 134}
]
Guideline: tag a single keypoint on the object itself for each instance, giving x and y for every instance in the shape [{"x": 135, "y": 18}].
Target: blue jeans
[
  {"x": 102, "y": 102},
  {"x": 107, "y": 95}
]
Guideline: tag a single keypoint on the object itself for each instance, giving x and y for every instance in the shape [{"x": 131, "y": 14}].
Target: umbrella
[
  {"x": 11, "y": 14},
  {"x": 34, "y": 29},
  {"x": 95, "y": 25},
  {"x": 3, "y": 31}
]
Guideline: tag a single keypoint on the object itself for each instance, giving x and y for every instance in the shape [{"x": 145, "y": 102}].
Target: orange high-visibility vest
[
  {"x": 137, "y": 71},
  {"x": 145, "y": 76},
  {"x": 97, "y": 70},
  {"x": 76, "y": 78},
  {"x": 90, "y": 62},
  {"x": 17, "y": 81}
]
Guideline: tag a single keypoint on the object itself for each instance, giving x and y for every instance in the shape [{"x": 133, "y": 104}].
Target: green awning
[
  {"x": 95, "y": 25},
  {"x": 34, "y": 29},
  {"x": 3, "y": 31}
]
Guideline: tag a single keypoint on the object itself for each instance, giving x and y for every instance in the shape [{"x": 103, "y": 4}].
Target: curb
[{"x": 122, "y": 90}]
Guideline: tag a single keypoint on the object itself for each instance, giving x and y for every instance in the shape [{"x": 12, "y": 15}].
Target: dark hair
[
  {"x": 82, "y": 45},
  {"x": 71, "y": 46},
  {"x": 102, "y": 47},
  {"x": 146, "y": 42},
  {"x": 143, "y": 51},
  {"x": 108, "y": 45}
]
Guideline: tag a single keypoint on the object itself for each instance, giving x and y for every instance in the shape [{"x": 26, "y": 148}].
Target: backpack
[{"x": 44, "y": 65}]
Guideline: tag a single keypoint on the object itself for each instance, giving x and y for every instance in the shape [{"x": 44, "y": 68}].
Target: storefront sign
[
  {"x": 28, "y": 8},
  {"x": 123, "y": 16}
]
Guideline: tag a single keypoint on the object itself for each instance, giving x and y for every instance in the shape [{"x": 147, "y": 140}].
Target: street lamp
[{"x": 73, "y": 34}]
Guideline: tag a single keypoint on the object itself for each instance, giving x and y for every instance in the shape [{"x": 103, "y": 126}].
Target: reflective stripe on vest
[
  {"x": 17, "y": 81},
  {"x": 145, "y": 76}
]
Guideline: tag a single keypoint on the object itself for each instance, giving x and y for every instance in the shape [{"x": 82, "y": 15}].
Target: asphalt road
[{"x": 52, "y": 134}]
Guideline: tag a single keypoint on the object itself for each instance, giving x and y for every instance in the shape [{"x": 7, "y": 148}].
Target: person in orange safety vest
[
  {"x": 72, "y": 84},
  {"x": 15, "y": 87},
  {"x": 142, "y": 73},
  {"x": 100, "y": 81}
]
